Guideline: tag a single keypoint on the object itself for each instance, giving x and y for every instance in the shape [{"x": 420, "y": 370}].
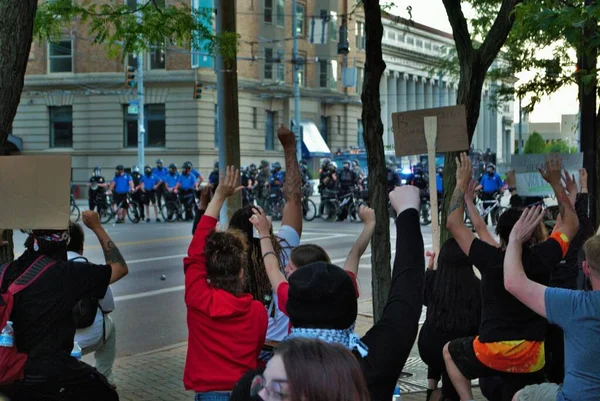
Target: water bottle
[
  {"x": 76, "y": 351},
  {"x": 7, "y": 336},
  {"x": 397, "y": 396}
]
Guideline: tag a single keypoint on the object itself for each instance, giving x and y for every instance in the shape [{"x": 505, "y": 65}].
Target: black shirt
[
  {"x": 96, "y": 180},
  {"x": 503, "y": 317},
  {"x": 43, "y": 314}
]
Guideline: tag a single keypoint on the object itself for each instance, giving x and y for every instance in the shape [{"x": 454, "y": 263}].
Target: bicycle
[
  {"x": 173, "y": 210},
  {"x": 334, "y": 205},
  {"x": 75, "y": 212},
  {"x": 107, "y": 212},
  {"x": 309, "y": 208},
  {"x": 275, "y": 204},
  {"x": 491, "y": 208}
]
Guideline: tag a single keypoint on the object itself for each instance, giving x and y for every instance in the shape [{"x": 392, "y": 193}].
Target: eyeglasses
[{"x": 273, "y": 392}]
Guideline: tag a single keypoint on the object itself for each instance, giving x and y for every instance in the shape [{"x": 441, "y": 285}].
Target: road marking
[
  {"x": 333, "y": 236},
  {"x": 129, "y": 262},
  {"x": 149, "y": 293}
]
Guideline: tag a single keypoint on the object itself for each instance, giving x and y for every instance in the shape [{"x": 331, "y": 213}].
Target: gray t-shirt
[{"x": 578, "y": 314}]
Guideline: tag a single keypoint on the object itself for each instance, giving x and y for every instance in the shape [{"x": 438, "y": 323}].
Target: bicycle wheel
[
  {"x": 106, "y": 214},
  {"x": 169, "y": 211},
  {"x": 75, "y": 213},
  {"x": 498, "y": 212},
  {"x": 425, "y": 213},
  {"x": 309, "y": 210},
  {"x": 329, "y": 211},
  {"x": 134, "y": 212}
]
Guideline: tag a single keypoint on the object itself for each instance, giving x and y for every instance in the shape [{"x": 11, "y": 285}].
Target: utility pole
[
  {"x": 227, "y": 103},
  {"x": 297, "y": 129},
  {"x": 520, "y": 125},
  {"x": 140, "y": 94}
]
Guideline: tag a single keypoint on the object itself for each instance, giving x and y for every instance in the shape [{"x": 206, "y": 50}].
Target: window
[
  {"x": 334, "y": 74},
  {"x": 427, "y": 46},
  {"x": 268, "y": 63},
  {"x": 506, "y": 108},
  {"x": 254, "y": 117},
  {"x": 301, "y": 71},
  {"x": 154, "y": 122},
  {"x": 339, "y": 125},
  {"x": 132, "y": 60},
  {"x": 391, "y": 35},
  {"x": 280, "y": 65},
  {"x": 300, "y": 19},
  {"x": 436, "y": 48},
  {"x": 270, "y": 118},
  {"x": 281, "y": 12},
  {"x": 156, "y": 58},
  {"x": 216, "y": 125},
  {"x": 60, "y": 56},
  {"x": 324, "y": 128},
  {"x": 333, "y": 26},
  {"x": 269, "y": 11},
  {"x": 359, "y": 79},
  {"x": 360, "y": 35},
  {"x": 61, "y": 126},
  {"x": 410, "y": 40},
  {"x": 360, "y": 141},
  {"x": 323, "y": 73},
  {"x": 419, "y": 43}
]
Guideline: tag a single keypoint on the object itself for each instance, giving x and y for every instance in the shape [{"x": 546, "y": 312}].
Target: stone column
[
  {"x": 435, "y": 86},
  {"x": 392, "y": 98},
  {"x": 420, "y": 92},
  {"x": 429, "y": 93},
  {"x": 453, "y": 95},
  {"x": 486, "y": 122},
  {"x": 410, "y": 93},
  {"x": 480, "y": 128},
  {"x": 402, "y": 102}
]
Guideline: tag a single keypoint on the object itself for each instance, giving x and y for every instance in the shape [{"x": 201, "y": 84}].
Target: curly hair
[
  {"x": 225, "y": 259},
  {"x": 255, "y": 275}
]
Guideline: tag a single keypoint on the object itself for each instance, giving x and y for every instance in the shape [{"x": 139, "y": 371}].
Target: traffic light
[
  {"x": 130, "y": 79},
  {"x": 198, "y": 90}
]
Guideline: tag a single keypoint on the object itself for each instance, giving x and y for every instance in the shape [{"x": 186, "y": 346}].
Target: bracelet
[
  {"x": 268, "y": 253},
  {"x": 265, "y": 237}
]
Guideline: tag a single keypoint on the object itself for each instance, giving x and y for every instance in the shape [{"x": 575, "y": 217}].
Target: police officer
[
  {"x": 247, "y": 184},
  {"x": 324, "y": 174},
  {"x": 213, "y": 178},
  {"x": 360, "y": 174},
  {"x": 137, "y": 190},
  {"x": 150, "y": 183},
  {"x": 195, "y": 172},
  {"x": 171, "y": 180},
  {"x": 262, "y": 180},
  {"x": 161, "y": 173},
  {"x": 491, "y": 183},
  {"x": 276, "y": 178},
  {"x": 97, "y": 191},
  {"x": 348, "y": 181},
  {"x": 419, "y": 179},
  {"x": 439, "y": 175},
  {"x": 186, "y": 185},
  {"x": 391, "y": 176},
  {"x": 120, "y": 186}
]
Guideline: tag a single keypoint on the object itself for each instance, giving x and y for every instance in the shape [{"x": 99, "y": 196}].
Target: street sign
[
  {"x": 133, "y": 108},
  {"x": 409, "y": 130}
]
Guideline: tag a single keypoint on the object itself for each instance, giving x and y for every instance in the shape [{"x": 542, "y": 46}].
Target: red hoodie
[{"x": 226, "y": 333}]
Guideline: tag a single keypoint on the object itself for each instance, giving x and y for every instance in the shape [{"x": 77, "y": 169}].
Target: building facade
[
  {"x": 75, "y": 99},
  {"x": 411, "y": 52},
  {"x": 567, "y": 129}
]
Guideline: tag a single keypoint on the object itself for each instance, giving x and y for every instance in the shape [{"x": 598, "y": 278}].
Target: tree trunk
[
  {"x": 16, "y": 33},
  {"x": 373, "y": 137},
  {"x": 7, "y": 254}
]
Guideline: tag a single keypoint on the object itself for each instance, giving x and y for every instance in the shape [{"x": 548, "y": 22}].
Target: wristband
[
  {"x": 268, "y": 253},
  {"x": 562, "y": 240},
  {"x": 265, "y": 237}
]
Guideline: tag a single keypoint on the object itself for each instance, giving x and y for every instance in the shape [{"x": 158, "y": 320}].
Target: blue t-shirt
[
  {"x": 171, "y": 180},
  {"x": 439, "y": 183},
  {"x": 122, "y": 183},
  {"x": 491, "y": 184},
  {"x": 187, "y": 181},
  {"x": 578, "y": 314},
  {"x": 195, "y": 173},
  {"x": 150, "y": 181},
  {"x": 161, "y": 173}
]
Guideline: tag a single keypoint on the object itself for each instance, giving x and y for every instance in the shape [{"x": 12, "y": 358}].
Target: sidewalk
[{"x": 157, "y": 375}]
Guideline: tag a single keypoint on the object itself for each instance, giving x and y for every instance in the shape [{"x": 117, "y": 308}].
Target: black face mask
[
  {"x": 490, "y": 173},
  {"x": 346, "y": 168}
]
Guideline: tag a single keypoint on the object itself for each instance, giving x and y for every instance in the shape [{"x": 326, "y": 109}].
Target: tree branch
[
  {"x": 498, "y": 34},
  {"x": 460, "y": 29}
]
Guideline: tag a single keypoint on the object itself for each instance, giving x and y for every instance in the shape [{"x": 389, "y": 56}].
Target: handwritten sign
[
  {"x": 530, "y": 181},
  {"x": 409, "y": 130}
]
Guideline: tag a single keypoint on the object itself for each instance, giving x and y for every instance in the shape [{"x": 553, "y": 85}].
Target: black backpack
[{"x": 84, "y": 311}]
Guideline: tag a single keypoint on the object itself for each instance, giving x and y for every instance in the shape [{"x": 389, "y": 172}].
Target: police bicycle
[
  {"x": 75, "y": 212},
  {"x": 173, "y": 210},
  {"x": 491, "y": 208},
  {"x": 309, "y": 209},
  {"x": 275, "y": 204},
  {"x": 107, "y": 212},
  {"x": 334, "y": 204}
]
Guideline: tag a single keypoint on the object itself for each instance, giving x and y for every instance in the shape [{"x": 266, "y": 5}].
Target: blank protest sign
[{"x": 35, "y": 192}]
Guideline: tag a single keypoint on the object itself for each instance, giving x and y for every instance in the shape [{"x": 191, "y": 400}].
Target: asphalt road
[{"x": 150, "y": 312}]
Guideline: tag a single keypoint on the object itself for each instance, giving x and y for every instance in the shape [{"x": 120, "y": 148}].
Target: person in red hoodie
[{"x": 226, "y": 328}]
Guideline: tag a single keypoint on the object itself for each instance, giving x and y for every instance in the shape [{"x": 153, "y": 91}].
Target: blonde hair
[{"x": 591, "y": 248}]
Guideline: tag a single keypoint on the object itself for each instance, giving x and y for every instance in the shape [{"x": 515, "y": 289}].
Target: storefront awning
[{"x": 313, "y": 143}]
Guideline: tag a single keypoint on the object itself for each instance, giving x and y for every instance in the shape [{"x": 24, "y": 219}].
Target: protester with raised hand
[
  {"x": 511, "y": 337},
  {"x": 226, "y": 326},
  {"x": 476, "y": 220},
  {"x": 576, "y": 312}
]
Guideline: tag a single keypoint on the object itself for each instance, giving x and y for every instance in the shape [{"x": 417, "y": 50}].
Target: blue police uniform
[
  {"x": 122, "y": 183},
  {"x": 196, "y": 173},
  {"x": 276, "y": 177},
  {"x": 491, "y": 184},
  {"x": 171, "y": 180},
  {"x": 187, "y": 182},
  {"x": 161, "y": 173},
  {"x": 150, "y": 181},
  {"x": 439, "y": 183}
]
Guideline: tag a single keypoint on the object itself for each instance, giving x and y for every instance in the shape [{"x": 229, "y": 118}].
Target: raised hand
[
  {"x": 552, "y": 171},
  {"x": 286, "y": 137},
  {"x": 91, "y": 219},
  {"x": 583, "y": 180},
  {"x": 511, "y": 179},
  {"x": 205, "y": 197},
  {"x": 570, "y": 184},
  {"x": 464, "y": 169},
  {"x": 405, "y": 197},
  {"x": 471, "y": 189},
  {"x": 229, "y": 184},
  {"x": 528, "y": 222},
  {"x": 431, "y": 262},
  {"x": 366, "y": 214},
  {"x": 260, "y": 221}
]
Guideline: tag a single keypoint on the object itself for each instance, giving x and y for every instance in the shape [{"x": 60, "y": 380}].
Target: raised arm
[
  {"x": 552, "y": 174},
  {"x": 476, "y": 219},
  {"x": 571, "y": 187},
  {"x": 455, "y": 223},
  {"x": 367, "y": 215},
  {"x": 516, "y": 281},
  {"x": 112, "y": 255},
  {"x": 263, "y": 226},
  {"x": 292, "y": 185}
]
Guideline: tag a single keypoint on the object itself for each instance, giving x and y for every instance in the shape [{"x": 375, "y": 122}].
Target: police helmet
[
  {"x": 148, "y": 170},
  {"x": 172, "y": 166},
  {"x": 325, "y": 162},
  {"x": 97, "y": 171},
  {"x": 332, "y": 166},
  {"x": 120, "y": 167},
  {"x": 355, "y": 163},
  {"x": 159, "y": 161},
  {"x": 216, "y": 165},
  {"x": 264, "y": 163},
  {"x": 252, "y": 167},
  {"x": 440, "y": 169},
  {"x": 135, "y": 169},
  {"x": 491, "y": 166},
  {"x": 190, "y": 163},
  {"x": 187, "y": 166},
  {"x": 346, "y": 163},
  {"x": 276, "y": 166}
]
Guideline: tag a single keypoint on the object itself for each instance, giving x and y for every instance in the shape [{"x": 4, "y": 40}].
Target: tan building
[
  {"x": 75, "y": 99},
  {"x": 567, "y": 129}
]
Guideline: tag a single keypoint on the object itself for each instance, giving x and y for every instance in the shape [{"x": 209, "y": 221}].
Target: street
[{"x": 150, "y": 312}]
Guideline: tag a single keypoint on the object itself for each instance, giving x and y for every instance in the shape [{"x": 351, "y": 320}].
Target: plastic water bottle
[
  {"x": 7, "y": 336},
  {"x": 397, "y": 396},
  {"x": 76, "y": 351}
]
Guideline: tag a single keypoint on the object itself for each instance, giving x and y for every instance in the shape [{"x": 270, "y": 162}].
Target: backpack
[
  {"x": 84, "y": 311},
  {"x": 12, "y": 362}
]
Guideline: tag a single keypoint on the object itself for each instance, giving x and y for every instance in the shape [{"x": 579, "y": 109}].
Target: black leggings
[{"x": 391, "y": 339}]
